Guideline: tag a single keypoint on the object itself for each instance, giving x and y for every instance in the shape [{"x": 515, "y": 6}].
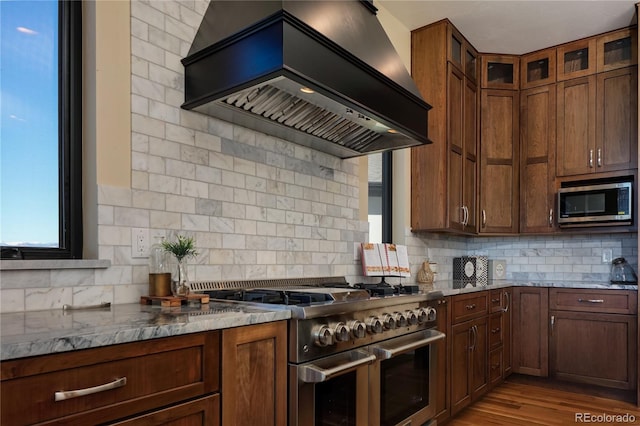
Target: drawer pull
[
  {"x": 495, "y": 330},
  {"x": 62, "y": 395},
  {"x": 469, "y": 307},
  {"x": 495, "y": 300},
  {"x": 591, "y": 300}
]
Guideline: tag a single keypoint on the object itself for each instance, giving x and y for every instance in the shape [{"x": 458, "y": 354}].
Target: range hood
[{"x": 322, "y": 74}]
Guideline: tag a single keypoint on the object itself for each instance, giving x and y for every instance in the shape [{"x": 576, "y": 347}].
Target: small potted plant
[{"x": 182, "y": 248}]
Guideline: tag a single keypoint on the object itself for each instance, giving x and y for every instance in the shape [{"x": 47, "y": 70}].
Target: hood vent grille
[{"x": 272, "y": 103}]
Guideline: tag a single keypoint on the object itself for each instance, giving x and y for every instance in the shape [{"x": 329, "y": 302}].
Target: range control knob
[
  {"x": 412, "y": 318},
  {"x": 374, "y": 325},
  {"x": 389, "y": 321},
  {"x": 358, "y": 329},
  {"x": 401, "y": 320},
  {"x": 431, "y": 314},
  {"x": 422, "y": 315},
  {"x": 341, "y": 332},
  {"x": 323, "y": 335}
]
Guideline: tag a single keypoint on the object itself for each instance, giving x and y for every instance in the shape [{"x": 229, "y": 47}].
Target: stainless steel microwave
[{"x": 596, "y": 203}]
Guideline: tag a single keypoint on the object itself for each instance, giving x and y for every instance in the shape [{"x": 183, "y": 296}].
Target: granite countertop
[{"x": 33, "y": 333}]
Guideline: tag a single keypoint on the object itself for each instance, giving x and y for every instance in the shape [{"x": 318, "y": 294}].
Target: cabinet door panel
[
  {"x": 576, "y": 126},
  {"x": 456, "y": 146},
  {"x": 470, "y": 154},
  {"x": 594, "y": 348},
  {"x": 530, "y": 331},
  {"x": 480, "y": 361},
  {"x": 460, "y": 353},
  {"x": 538, "y": 141},
  {"x": 499, "y": 149},
  {"x": 617, "y": 125}
]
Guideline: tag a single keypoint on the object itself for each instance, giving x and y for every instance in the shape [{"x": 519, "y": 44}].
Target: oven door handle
[
  {"x": 382, "y": 352},
  {"x": 310, "y": 373}
]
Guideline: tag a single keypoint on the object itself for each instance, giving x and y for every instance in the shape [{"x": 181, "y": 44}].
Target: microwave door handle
[{"x": 387, "y": 353}]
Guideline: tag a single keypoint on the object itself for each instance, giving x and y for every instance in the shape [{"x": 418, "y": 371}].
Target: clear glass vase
[{"x": 181, "y": 285}]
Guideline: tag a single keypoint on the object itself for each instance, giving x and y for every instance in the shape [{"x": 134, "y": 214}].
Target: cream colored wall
[{"x": 400, "y": 37}]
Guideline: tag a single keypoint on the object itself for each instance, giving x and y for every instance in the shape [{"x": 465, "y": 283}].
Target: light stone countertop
[{"x": 31, "y": 333}]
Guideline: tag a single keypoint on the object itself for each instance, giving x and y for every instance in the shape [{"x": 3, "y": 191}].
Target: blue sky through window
[{"x": 29, "y": 183}]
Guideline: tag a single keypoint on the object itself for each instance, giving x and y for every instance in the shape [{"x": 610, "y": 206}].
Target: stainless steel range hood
[{"x": 318, "y": 73}]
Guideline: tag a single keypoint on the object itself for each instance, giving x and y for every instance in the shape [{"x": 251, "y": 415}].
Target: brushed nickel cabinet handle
[
  {"x": 591, "y": 300},
  {"x": 64, "y": 395},
  {"x": 553, "y": 321},
  {"x": 591, "y": 158},
  {"x": 469, "y": 307},
  {"x": 484, "y": 217},
  {"x": 508, "y": 297},
  {"x": 550, "y": 217},
  {"x": 599, "y": 157}
]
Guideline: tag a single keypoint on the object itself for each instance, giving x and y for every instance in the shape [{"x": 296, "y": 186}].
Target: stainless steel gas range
[{"x": 359, "y": 355}]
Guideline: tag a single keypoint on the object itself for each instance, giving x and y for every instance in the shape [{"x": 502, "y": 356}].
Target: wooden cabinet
[
  {"x": 538, "y": 68},
  {"x": 443, "y": 174},
  {"x": 500, "y": 72},
  {"x": 199, "y": 412},
  {"x": 134, "y": 378},
  {"x": 537, "y": 159},
  {"x": 593, "y": 337},
  {"x": 617, "y": 49},
  {"x": 576, "y": 59},
  {"x": 499, "y": 162},
  {"x": 443, "y": 318},
  {"x": 576, "y": 114},
  {"x": 469, "y": 349},
  {"x": 254, "y": 375},
  {"x": 530, "y": 332},
  {"x": 598, "y": 123},
  {"x": 616, "y": 141}
]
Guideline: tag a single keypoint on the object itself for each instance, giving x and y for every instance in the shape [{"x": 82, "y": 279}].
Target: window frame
[{"x": 69, "y": 141}]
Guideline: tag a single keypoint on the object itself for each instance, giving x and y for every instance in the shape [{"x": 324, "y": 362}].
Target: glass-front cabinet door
[
  {"x": 538, "y": 68},
  {"x": 500, "y": 72},
  {"x": 618, "y": 49},
  {"x": 576, "y": 59}
]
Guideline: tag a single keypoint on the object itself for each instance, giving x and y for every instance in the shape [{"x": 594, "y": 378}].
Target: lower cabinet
[
  {"x": 530, "y": 333},
  {"x": 588, "y": 343},
  {"x": 107, "y": 384},
  {"x": 254, "y": 375},
  {"x": 443, "y": 317}
]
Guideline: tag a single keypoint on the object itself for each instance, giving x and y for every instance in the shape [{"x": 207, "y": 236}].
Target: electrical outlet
[
  {"x": 139, "y": 242},
  {"x": 607, "y": 255}
]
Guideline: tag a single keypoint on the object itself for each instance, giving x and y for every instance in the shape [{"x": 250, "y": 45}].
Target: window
[
  {"x": 380, "y": 197},
  {"x": 41, "y": 129}
]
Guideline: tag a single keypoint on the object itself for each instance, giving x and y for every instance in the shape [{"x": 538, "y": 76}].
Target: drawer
[
  {"x": 158, "y": 372},
  {"x": 496, "y": 332},
  {"x": 495, "y": 366},
  {"x": 495, "y": 300},
  {"x": 594, "y": 300},
  {"x": 469, "y": 306},
  {"x": 203, "y": 411}
]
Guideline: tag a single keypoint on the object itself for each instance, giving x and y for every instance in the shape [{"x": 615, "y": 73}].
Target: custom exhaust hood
[{"x": 322, "y": 74}]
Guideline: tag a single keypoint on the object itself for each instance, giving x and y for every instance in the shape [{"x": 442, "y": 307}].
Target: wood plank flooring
[{"x": 519, "y": 401}]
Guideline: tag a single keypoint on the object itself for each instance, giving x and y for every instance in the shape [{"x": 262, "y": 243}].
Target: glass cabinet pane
[
  {"x": 498, "y": 72},
  {"x": 456, "y": 50},
  {"x": 617, "y": 51},
  {"x": 576, "y": 60},
  {"x": 470, "y": 65},
  {"x": 538, "y": 70}
]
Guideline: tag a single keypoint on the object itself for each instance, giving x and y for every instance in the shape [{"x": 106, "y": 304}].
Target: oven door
[
  {"x": 331, "y": 390},
  {"x": 403, "y": 379}
]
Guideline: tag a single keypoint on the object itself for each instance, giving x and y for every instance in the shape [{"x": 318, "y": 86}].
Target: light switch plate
[{"x": 607, "y": 255}]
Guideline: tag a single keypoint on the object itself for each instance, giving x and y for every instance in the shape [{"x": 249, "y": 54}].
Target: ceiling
[{"x": 517, "y": 27}]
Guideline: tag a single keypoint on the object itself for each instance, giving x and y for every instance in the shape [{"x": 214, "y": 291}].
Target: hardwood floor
[{"x": 527, "y": 401}]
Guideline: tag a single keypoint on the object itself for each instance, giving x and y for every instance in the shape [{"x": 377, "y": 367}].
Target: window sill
[{"x": 25, "y": 265}]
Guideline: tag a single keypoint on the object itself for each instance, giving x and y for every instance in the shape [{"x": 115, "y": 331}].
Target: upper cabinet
[
  {"x": 617, "y": 49},
  {"x": 500, "y": 72},
  {"x": 538, "y": 68},
  {"x": 443, "y": 174},
  {"x": 577, "y": 59}
]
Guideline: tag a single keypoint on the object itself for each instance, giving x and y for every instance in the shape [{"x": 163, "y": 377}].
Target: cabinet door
[
  {"x": 537, "y": 159},
  {"x": 576, "y": 114},
  {"x": 469, "y": 184},
  {"x": 455, "y": 102},
  {"x": 500, "y": 72},
  {"x": 199, "y": 412},
  {"x": 617, "y": 49},
  {"x": 617, "y": 120},
  {"x": 479, "y": 358},
  {"x": 499, "y": 161},
  {"x": 461, "y": 338},
  {"x": 530, "y": 331},
  {"x": 576, "y": 59},
  {"x": 538, "y": 69},
  {"x": 599, "y": 349},
  {"x": 507, "y": 326},
  {"x": 254, "y": 375}
]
